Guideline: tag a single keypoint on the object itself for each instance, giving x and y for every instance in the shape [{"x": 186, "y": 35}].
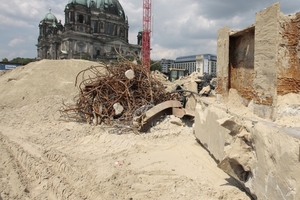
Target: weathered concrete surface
[
  {"x": 207, "y": 129},
  {"x": 265, "y": 61},
  {"x": 241, "y": 63},
  {"x": 264, "y": 70},
  {"x": 223, "y": 62},
  {"x": 288, "y": 55},
  {"x": 261, "y": 155}
]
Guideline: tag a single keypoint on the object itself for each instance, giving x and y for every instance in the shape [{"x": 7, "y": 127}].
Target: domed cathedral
[
  {"x": 93, "y": 29},
  {"x": 50, "y": 37}
]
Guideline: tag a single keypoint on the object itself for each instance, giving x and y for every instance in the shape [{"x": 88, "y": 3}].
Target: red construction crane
[{"x": 146, "y": 33}]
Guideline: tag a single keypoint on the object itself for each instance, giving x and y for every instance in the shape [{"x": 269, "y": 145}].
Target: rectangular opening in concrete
[{"x": 241, "y": 62}]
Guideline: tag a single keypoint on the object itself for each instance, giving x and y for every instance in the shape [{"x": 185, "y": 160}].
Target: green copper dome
[
  {"x": 107, "y": 6},
  {"x": 49, "y": 17},
  {"x": 82, "y": 2}
]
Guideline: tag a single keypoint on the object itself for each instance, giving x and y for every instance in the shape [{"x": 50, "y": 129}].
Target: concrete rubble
[
  {"x": 247, "y": 118},
  {"x": 42, "y": 157},
  {"x": 252, "y": 126}
]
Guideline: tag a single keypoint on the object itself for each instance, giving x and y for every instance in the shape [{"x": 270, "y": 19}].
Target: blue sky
[{"x": 180, "y": 27}]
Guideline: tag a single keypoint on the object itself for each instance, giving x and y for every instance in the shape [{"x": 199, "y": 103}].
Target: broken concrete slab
[
  {"x": 261, "y": 63},
  {"x": 230, "y": 124},
  {"x": 205, "y": 90},
  {"x": 263, "y": 156}
]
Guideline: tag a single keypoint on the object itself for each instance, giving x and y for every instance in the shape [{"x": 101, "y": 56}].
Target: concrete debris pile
[
  {"x": 204, "y": 85},
  {"x": 160, "y": 76},
  {"x": 114, "y": 95}
]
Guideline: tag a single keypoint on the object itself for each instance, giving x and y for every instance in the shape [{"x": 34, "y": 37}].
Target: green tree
[
  {"x": 23, "y": 61},
  {"x": 155, "y": 65},
  {"x": 4, "y": 60}
]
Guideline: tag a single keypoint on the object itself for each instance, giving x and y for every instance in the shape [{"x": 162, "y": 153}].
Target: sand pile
[{"x": 44, "y": 158}]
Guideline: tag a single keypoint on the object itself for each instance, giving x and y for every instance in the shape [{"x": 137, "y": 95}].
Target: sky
[{"x": 179, "y": 27}]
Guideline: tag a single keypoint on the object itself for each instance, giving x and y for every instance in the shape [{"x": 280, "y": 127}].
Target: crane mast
[{"x": 146, "y": 33}]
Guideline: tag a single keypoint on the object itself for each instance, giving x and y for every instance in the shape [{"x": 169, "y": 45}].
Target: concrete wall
[
  {"x": 261, "y": 155},
  {"x": 241, "y": 63},
  {"x": 288, "y": 55},
  {"x": 261, "y": 61},
  {"x": 265, "y": 61},
  {"x": 259, "y": 64},
  {"x": 223, "y": 63}
]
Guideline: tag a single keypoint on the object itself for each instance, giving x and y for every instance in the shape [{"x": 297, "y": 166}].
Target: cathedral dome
[
  {"x": 49, "y": 17},
  {"x": 106, "y": 6},
  {"x": 111, "y": 6},
  {"x": 82, "y": 2}
]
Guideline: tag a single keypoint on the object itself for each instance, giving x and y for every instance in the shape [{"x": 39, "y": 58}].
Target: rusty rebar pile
[{"x": 104, "y": 87}]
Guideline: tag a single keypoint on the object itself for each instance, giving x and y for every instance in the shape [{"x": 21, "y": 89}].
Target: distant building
[
  {"x": 93, "y": 30},
  {"x": 202, "y": 63},
  {"x": 165, "y": 65}
]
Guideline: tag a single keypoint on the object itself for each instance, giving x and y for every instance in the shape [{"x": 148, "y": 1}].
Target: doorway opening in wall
[{"x": 241, "y": 63}]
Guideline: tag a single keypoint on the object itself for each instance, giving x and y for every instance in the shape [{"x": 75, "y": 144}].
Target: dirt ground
[{"x": 42, "y": 157}]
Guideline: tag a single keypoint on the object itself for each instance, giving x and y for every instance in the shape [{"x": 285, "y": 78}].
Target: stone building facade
[{"x": 95, "y": 30}]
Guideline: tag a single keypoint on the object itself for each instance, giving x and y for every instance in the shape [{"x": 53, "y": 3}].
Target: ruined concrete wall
[
  {"x": 262, "y": 155},
  {"x": 223, "y": 62},
  {"x": 288, "y": 55},
  {"x": 265, "y": 61},
  {"x": 241, "y": 62},
  {"x": 259, "y": 154},
  {"x": 206, "y": 123},
  {"x": 262, "y": 70}
]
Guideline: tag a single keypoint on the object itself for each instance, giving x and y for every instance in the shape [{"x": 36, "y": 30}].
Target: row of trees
[{"x": 23, "y": 61}]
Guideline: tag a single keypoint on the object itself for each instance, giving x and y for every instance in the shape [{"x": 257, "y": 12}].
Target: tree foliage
[
  {"x": 4, "y": 60},
  {"x": 23, "y": 61},
  {"x": 155, "y": 65}
]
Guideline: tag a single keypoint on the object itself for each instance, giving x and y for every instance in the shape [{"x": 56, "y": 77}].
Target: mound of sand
[{"x": 44, "y": 158}]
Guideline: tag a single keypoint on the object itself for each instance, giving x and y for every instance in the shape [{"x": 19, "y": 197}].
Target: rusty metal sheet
[
  {"x": 153, "y": 114},
  {"x": 166, "y": 108},
  {"x": 178, "y": 112},
  {"x": 162, "y": 106},
  {"x": 190, "y": 113}
]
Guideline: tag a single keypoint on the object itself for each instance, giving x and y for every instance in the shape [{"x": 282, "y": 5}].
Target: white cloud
[
  {"x": 16, "y": 42},
  {"x": 180, "y": 27},
  {"x": 159, "y": 52},
  {"x": 28, "y": 13},
  {"x": 13, "y": 22}
]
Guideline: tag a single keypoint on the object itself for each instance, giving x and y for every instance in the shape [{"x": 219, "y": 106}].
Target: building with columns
[{"x": 94, "y": 30}]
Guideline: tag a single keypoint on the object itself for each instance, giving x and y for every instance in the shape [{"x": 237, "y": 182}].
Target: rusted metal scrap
[
  {"x": 144, "y": 121},
  {"x": 108, "y": 95}
]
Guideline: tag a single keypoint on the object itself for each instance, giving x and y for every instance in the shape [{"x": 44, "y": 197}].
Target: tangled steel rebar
[{"x": 103, "y": 88}]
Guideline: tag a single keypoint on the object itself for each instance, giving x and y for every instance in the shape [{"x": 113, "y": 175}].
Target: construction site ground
[{"x": 42, "y": 157}]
